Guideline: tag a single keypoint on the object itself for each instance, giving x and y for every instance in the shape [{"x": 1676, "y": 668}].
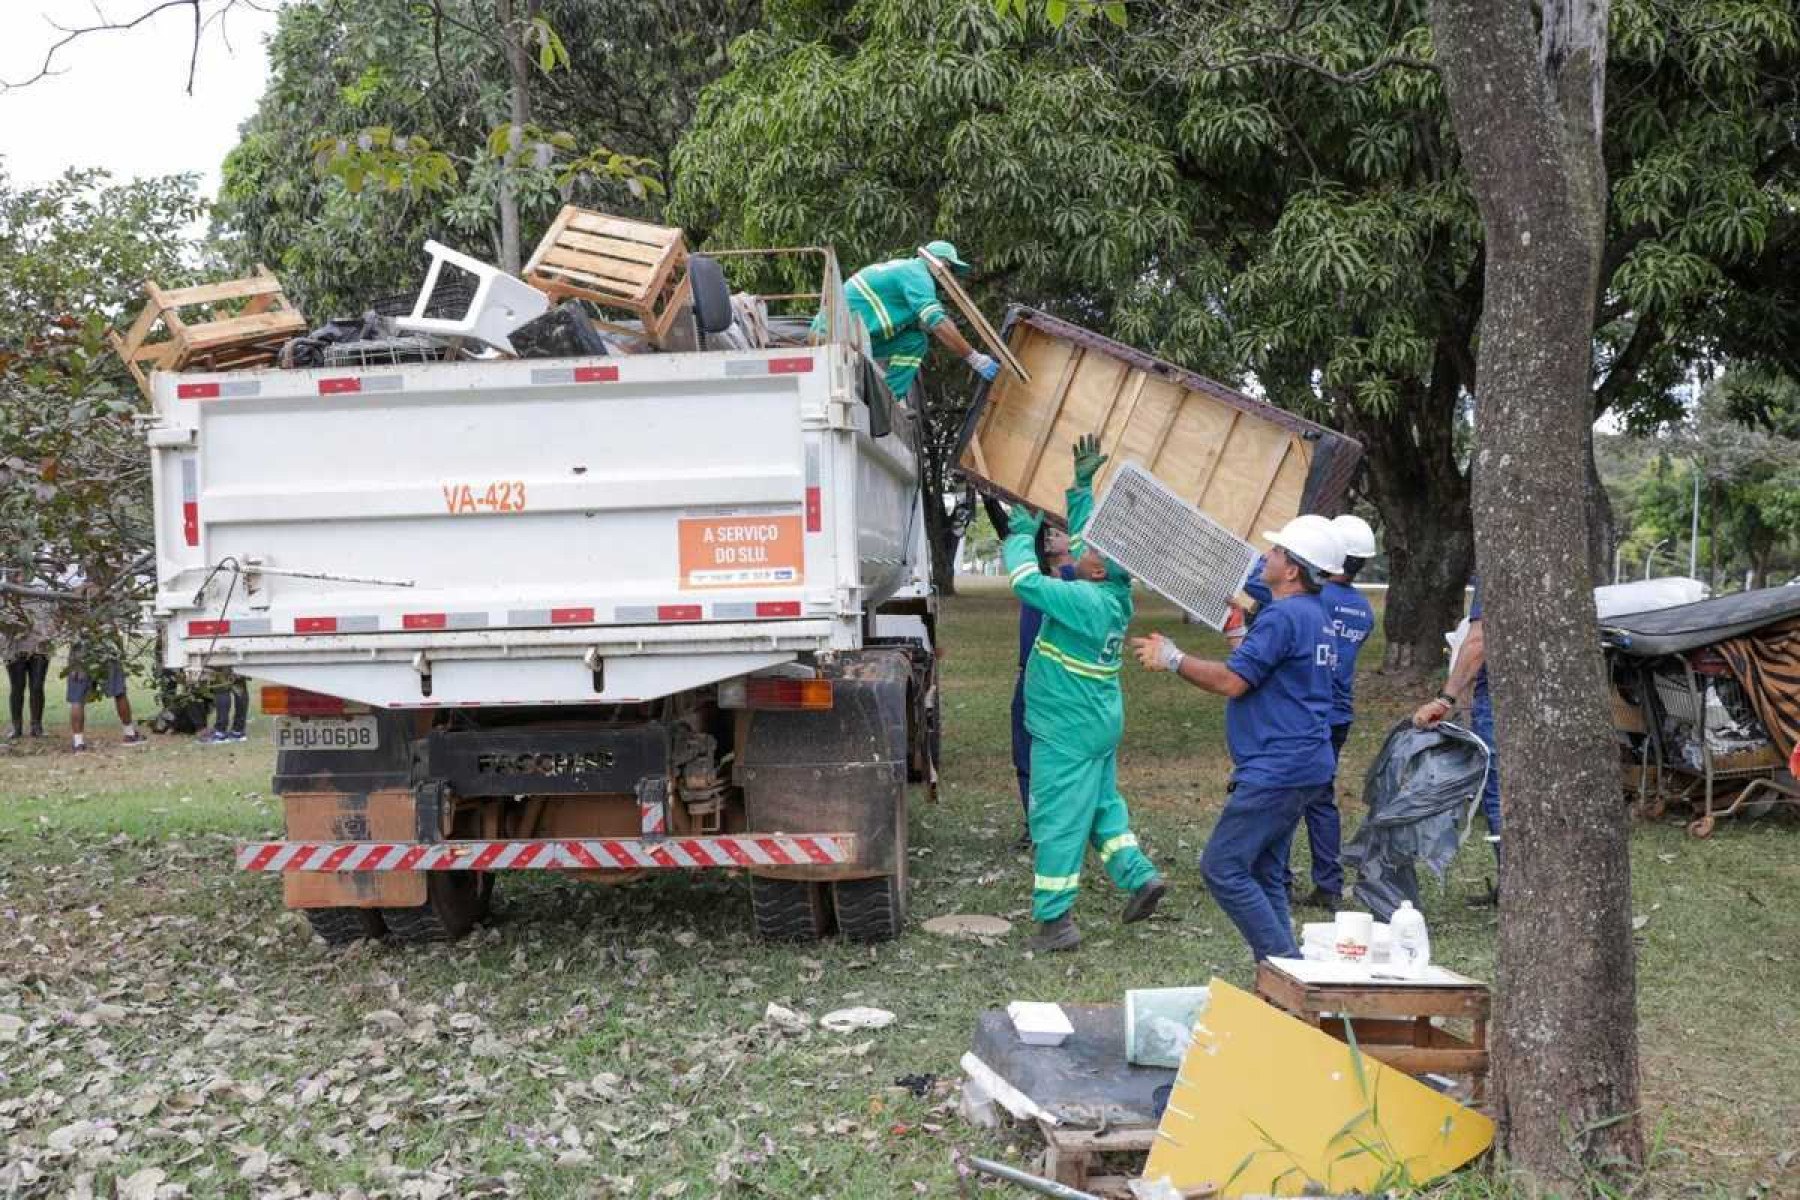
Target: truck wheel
[
  {"x": 454, "y": 901},
  {"x": 871, "y": 910},
  {"x": 342, "y": 926},
  {"x": 788, "y": 910}
]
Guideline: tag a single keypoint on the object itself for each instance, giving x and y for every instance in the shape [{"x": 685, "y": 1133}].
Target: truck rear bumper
[{"x": 742, "y": 851}]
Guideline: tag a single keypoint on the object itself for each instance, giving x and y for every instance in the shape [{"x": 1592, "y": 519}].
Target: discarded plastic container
[
  {"x": 1159, "y": 1023},
  {"x": 1412, "y": 941},
  {"x": 1038, "y": 1023}
]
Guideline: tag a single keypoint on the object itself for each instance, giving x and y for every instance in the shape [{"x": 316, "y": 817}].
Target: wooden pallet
[
  {"x": 615, "y": 263},
  {"x": 258, "y": 319},
  {"x": 1071, "y": 1156}
]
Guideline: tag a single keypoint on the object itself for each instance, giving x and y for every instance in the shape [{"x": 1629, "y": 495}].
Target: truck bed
[{"x": 526, "y": 532}]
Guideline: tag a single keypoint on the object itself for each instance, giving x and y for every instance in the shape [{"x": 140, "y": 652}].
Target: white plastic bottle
[{"x": 1412, "y": 941}]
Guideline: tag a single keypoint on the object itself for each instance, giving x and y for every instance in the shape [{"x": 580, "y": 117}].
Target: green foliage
[
  {"x": 74, "y": 475},
  {"x": 1749, "y": 473},
  {"x": 616, "y": 82}
]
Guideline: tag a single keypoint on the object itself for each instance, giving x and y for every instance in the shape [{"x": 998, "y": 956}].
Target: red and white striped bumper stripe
[{"x": 558, "y": 854}]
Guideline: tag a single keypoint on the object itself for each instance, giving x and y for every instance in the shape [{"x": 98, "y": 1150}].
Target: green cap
[{"x": 947, "y": 252}]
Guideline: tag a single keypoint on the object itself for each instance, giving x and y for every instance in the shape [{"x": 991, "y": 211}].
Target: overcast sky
[{"x": 121, "y": 99}]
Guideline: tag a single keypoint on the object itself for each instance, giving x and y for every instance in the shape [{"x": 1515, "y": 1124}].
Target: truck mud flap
[{"x": 840, "y": 769}]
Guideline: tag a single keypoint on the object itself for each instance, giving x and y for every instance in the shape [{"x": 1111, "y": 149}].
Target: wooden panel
[
  {"x": 231, "y": 289},
  {"x": 659, "y": 236},
  {"x": 984, "y": 332},
  {"x": 1247, "y": 463},
  {"x": 232, "y": 330},
  {"x": 635, "y": 274},
  {"x": 1246, "y": 470},
  {"x": 612, "y": 247}
]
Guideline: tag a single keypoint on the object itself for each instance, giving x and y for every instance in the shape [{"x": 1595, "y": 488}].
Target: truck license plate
[{"x": 326, "y": 733}]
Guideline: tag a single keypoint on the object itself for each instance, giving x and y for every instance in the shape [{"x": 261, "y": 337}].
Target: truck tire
[
  {"x": 871, "y": 910},
  {"x": 454, "y": 901},
  {"x": 344, "y": 926},
  {"x": 788, "y": 910}
]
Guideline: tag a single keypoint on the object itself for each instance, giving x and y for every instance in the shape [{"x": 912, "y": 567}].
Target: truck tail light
[
  {"x": 279, "y": 700},
  {"x": 812, "y": 695}
]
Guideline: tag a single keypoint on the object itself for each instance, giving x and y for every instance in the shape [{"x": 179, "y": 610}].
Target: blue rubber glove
[{"x": 982, "y": 365}]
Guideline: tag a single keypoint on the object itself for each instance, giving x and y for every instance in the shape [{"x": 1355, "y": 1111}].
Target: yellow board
[{"x": 1265, "y": 1103}]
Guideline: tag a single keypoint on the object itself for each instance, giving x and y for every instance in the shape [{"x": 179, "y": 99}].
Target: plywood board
[
  {"x": 1267, "y": 1104},
  {"x": 1247, "y": 465}
]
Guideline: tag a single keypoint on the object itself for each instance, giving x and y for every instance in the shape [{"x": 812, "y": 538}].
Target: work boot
[
  {"x": 1024, "y": 841},
  {"x": 1053, "y": 936},
  {"x": 37, "y": 731},
  {"x": 1144, "y": 899},
  {"x": 1320, "y": 898},
  {"x": 16, "y": 734},
  {"x": 1488, "y": 897}
]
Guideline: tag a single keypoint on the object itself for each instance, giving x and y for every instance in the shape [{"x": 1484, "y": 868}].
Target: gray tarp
[
  {"x": 1672, "y": 630},
  {"x": 1419, "y": 791}
]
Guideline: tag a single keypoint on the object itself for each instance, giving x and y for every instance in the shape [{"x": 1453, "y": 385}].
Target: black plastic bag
[{"x": 1419, "y": 791}]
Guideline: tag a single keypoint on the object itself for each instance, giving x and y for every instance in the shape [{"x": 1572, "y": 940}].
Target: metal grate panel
[{"x": 1174, "y": 548}]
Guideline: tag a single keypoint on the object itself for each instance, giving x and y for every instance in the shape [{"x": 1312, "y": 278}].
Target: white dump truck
[{"x": 607, "y": 616}]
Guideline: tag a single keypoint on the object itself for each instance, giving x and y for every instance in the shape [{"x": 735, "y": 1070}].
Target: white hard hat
[
  {"x": 1358, "y": 538},
  {"x": 1311, "y": 539}
]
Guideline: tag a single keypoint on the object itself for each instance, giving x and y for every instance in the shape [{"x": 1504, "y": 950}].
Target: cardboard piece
[{"x": 1265, "y": 1103}]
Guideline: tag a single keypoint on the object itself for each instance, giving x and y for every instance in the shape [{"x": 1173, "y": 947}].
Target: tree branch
[
  {"x": 1622, "y": 371},
  {"x": 74, "y": 33}
]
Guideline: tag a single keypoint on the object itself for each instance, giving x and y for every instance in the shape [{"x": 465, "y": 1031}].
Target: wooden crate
[
  {"x": 1393, "y": 1022},
  {"x": 258, "y": 319},
  {"x": 615, "y": 263},
  {"x": 1072, "y": 1156},
  {"x": 1248, "y": 465}
]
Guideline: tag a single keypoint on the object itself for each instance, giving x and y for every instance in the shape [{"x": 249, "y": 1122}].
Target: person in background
[
  {"x": 1469, "y": 678},
  {"x": 231, "y": 708},
  {"x": 897, "y": 302},
  {"x": 1052, "y": 548},
  {"x": 1075, "y": 712},
  {"x": 27, "y": 667},
  {"x": 108, "y": 680},
  {"x": 1349, "y": 619},
  {"x": 1277, "y": 685}
]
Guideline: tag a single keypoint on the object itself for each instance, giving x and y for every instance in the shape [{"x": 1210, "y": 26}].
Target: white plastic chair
[{"x": 501, "y": 303}]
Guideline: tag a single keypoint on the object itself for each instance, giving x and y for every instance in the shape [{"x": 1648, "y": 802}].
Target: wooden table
[{"x": 1393, "y": 1022}]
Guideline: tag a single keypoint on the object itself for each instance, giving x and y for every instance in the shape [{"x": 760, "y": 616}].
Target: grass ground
[{"x": 164, "y": 1025}]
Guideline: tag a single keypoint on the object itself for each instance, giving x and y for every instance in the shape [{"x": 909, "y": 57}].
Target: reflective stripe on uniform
[
  {"x": 1022, "y": 570},
  {"x": 875, "y": 304},
  {"x": 931, "y": 314},
  {"x": 1076, "y": 666},
  {"x": 1113, "y": 845},
  {"x": 906, "y": 360},
  {"x": 1056, "y": 883}
]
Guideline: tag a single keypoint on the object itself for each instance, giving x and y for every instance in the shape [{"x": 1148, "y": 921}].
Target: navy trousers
[{"x": 1245, "y": 863}]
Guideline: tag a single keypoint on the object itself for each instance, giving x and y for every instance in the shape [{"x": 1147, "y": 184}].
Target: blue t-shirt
[
  {"x": 1350, "y": 619},
  {"x": 1481, "y": 701},
  {"x": 1279, "y": 731}
]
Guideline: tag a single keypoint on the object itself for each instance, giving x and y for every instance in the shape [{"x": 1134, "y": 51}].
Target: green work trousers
[{"x": 1075, "y": 803}]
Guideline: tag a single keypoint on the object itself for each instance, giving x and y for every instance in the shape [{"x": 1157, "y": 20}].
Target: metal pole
[
  {"x": 1694, "y": 533},
  {"x": 1618, "y": 561},
  {"x": 1652, "y": 554},
  {"x": 1034, "y": 1183}
]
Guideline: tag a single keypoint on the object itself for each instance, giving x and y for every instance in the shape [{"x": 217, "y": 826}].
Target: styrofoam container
[{"x": 1038, "y": 1023}]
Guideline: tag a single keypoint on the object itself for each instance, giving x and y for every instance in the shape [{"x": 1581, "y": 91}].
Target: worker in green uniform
[
  {"x": 1075, "y": 713},
  {"x": 897, "y": 302}
]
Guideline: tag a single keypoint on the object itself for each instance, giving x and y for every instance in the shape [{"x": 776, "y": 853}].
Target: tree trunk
[
  {"x": 1602, "y": 536},
  {"x": 518, "y": 69},
  {"x": 1528, "y": 119},
  {"x": 941, "y": 536},
  {"x": 1423, "y": 497}
]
